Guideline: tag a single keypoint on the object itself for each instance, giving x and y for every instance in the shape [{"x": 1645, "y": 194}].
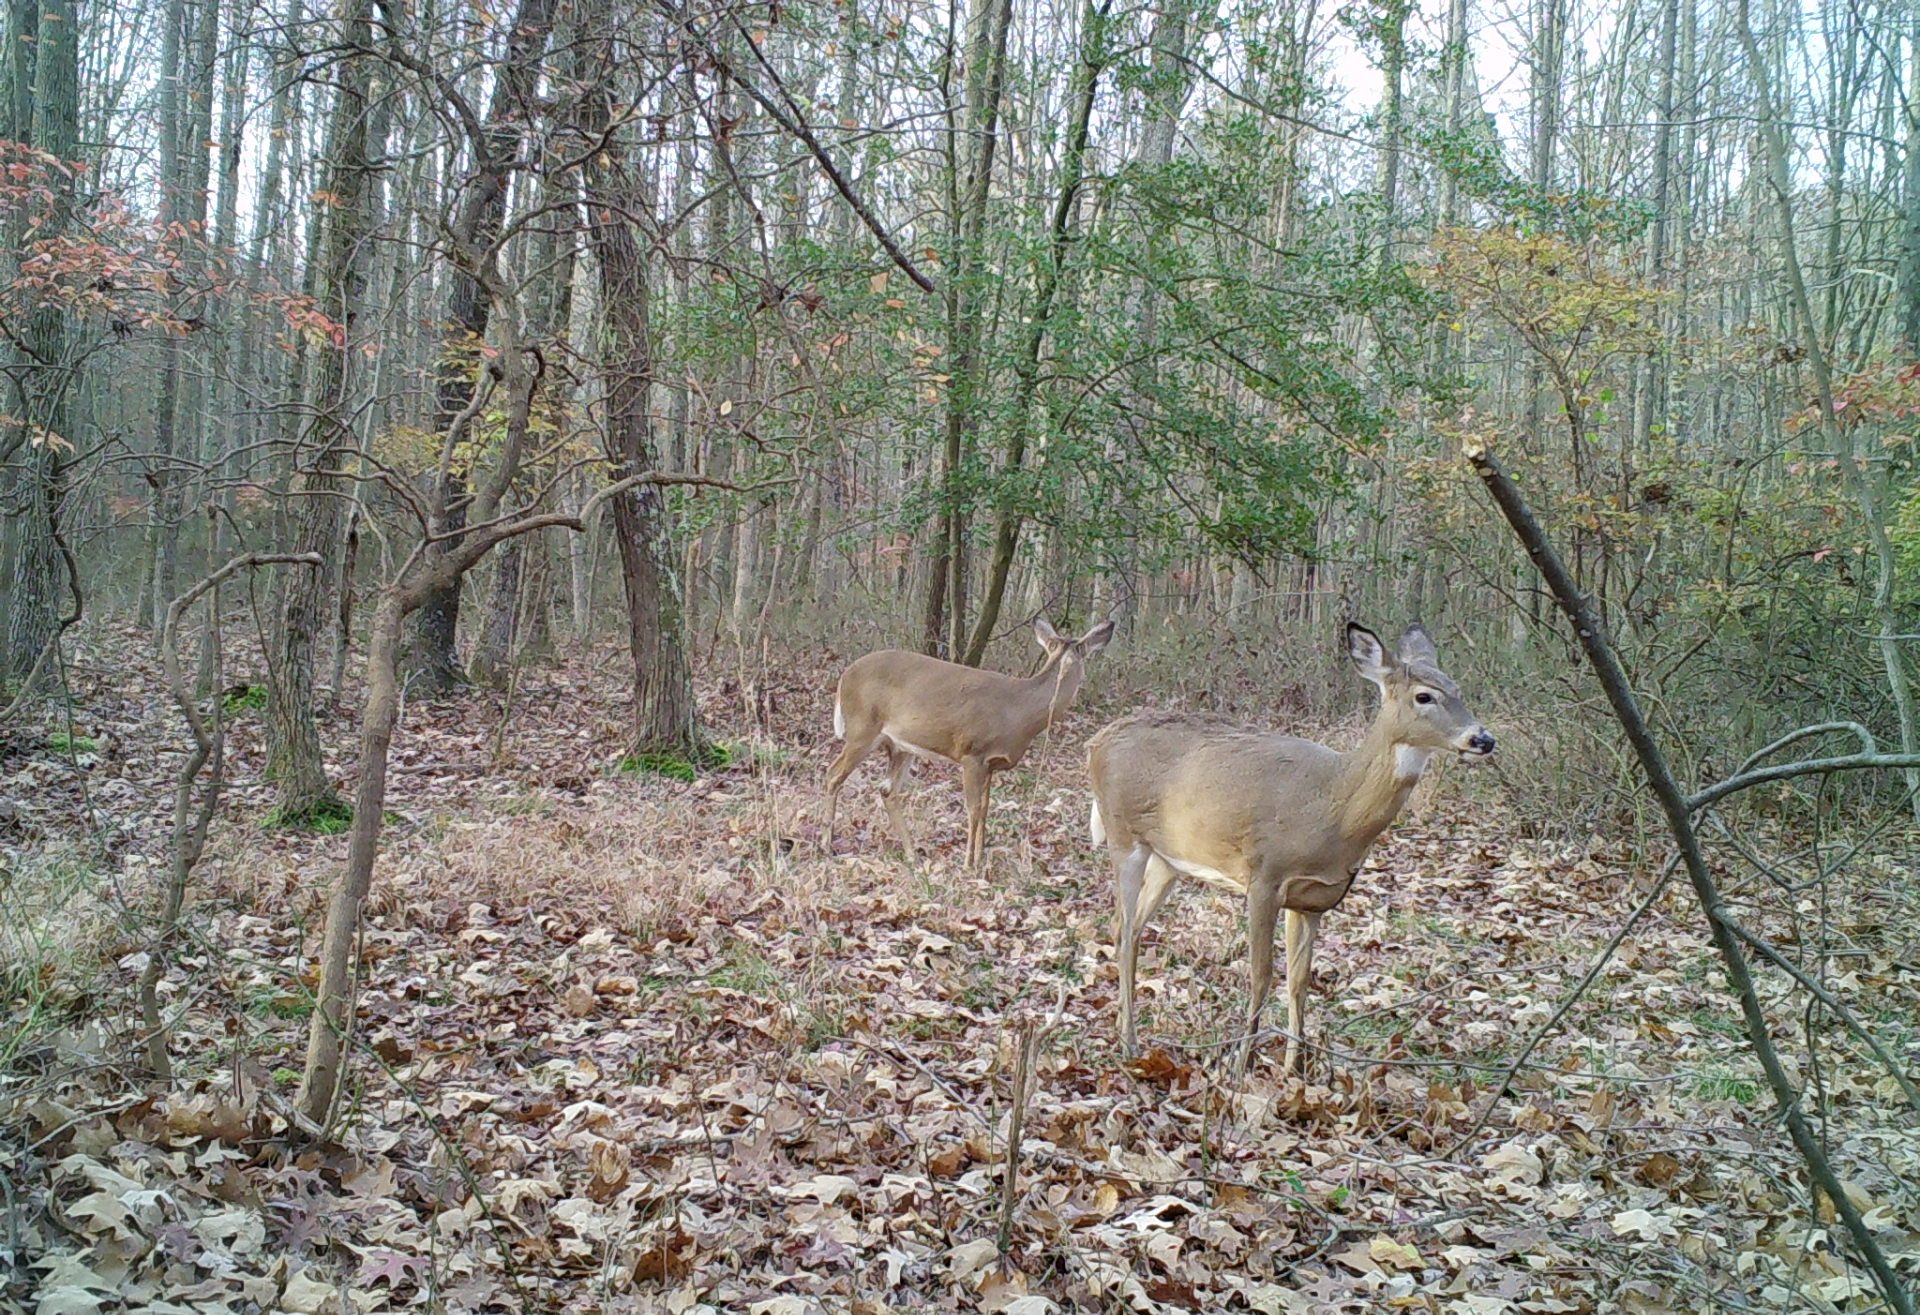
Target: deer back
[
  {"x": 1216, "y": 799},
  {"x": 930, "y": 706}
]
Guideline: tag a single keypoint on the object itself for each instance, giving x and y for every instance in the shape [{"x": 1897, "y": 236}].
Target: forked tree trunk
[{"x": 431, "y": 657}]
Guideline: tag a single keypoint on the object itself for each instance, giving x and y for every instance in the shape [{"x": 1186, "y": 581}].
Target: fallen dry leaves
[{"x": 628, "y": 1044}]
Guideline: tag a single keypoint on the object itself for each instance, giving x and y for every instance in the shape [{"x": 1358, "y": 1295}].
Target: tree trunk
[
  {"x": 1910, "y": 252},
  {"x": 293, "y": 738},
  {"x": 665, "y": 717},
  {"x": 333, "y": 1002},
  {"x": 1393, "y": 42},
  {"x": 1648, "y": 384},
  {"x": 986, "y": 76},
  {"x": 1548, "y": 40},
  {"x": 42, "y": 565},
  {"x": 1010, "y": 516},
  {"x": 173, "y": 208},
  {"x": 431, "y": 660},
  {"x": 1454, "y": 64}
]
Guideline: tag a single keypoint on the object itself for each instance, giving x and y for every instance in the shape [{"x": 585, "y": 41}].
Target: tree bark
[
  {"x": 293, "y": 738},
  {"x": 1910, "y": 252},
  {"x": 42, "y": 564},
  {"x": 173, "y": 208},
  {"x": 1010, "y": 516},
  {"x": 1648, "y": 381},
  {"x": 943, "y": 617},
  {"x": 431, "y": 659},
  {"x": 1393, "y": 45},
  {"x": 665, "y": 716}
]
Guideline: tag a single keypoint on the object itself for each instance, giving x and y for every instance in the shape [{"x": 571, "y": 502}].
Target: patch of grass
[
  {"x": 1715, "y": 1024},
  {"x": 329, "y": 817},
  {"x": 760, "y": 754},
  {"x": 51, "y": 954},
  {"x": 824, "y": 1024},
  {"x": 1720, "y": 1085},
  {"x": 745, "y": 971},
  {"x": 265, "y": 1002},
  {"x": 684, "y": 768},
  {"x": 1413, "y": 922},
  {"x": 286, "y": 1077},
  {"x": 245, "y": 698},
  {"x": 926, "y": 1029},
  {"x": 982, "y": 991},
  {"x": 71, "y": 744}
]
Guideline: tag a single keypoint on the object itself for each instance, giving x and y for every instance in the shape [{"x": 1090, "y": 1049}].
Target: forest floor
[{"x": 630, "y": 1043}]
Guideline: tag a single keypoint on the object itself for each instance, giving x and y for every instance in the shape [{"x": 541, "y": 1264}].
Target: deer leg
[
  {"x": 852, "y": 753},
  {"x": 1144, "y": 878},
  {"x": 1263, "y": 911},
  {"x": 898, "y": 763},
  {"x": 1129, "y": 876},
  {"x": 976, "y": 779},
  {"x": 1300, "y": 933}
]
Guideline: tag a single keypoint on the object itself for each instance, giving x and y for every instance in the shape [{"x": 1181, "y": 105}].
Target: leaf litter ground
[{"x": 633, "y": 1044}]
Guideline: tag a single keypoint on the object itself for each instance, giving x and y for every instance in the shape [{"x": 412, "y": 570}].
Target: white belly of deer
[
  {"x": 1201, "y": 872},
  {"x": 906, "y": 745}
]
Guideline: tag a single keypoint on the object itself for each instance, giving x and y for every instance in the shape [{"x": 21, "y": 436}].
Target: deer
[
  {"x": 1284, "y": 822},
  {"x": 915, "y": 706}
]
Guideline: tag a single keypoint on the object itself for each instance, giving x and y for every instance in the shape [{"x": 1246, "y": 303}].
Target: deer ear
[
  {"x": 1045, "y": 635},
  {"x": 1368, "y": 653},
  {"x": 1096, "y": 639},
  {"x": 1416, "y": 645}
]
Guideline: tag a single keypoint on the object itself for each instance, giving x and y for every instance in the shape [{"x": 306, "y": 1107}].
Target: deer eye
[{"x": 1423, "y": 698}]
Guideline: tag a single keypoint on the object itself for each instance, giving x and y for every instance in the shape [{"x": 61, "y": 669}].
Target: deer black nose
[{"x": 1481, "y": 742}]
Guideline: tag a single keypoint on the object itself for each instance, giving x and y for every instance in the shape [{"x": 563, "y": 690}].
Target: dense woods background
[
  {"x": 964, "y": 315},
  {"x": 427, "y": 351}
]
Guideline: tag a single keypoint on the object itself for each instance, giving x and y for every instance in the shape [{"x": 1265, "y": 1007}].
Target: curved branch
[{"x": 1855, "y": 762}]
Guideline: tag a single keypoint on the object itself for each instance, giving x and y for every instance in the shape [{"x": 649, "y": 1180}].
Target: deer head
[{"x": 1420, "y": 707}]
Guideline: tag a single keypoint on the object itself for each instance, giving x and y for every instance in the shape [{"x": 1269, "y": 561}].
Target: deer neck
[
  {"x": 1374, "y": 782},
  {"x": 1046, "y": 695}
]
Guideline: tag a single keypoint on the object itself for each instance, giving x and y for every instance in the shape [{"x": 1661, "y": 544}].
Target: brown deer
[
  {"x": 1283, "y": 821},
  {"x": 913, "y": 705}
]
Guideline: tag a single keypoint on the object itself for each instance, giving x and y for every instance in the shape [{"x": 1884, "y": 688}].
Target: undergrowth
[
  {"x": 245, "y": 698},
  {"x": 329, "y": 817},
  {"x": 685, "y": 768}
]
